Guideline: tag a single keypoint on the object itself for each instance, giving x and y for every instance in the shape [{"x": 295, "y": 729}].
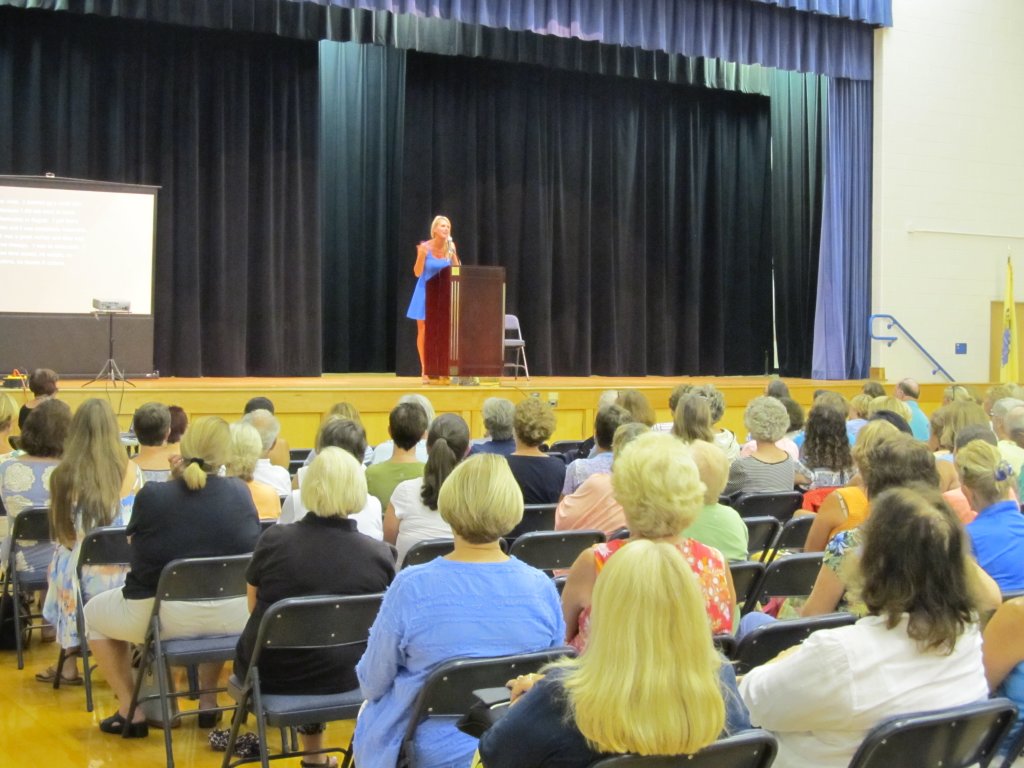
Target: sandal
[
  {"x": 50, "y": 674},
  {"x": 330, "y": 762}
]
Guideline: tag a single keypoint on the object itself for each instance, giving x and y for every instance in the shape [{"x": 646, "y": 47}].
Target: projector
[{"x": 111, "y": 305}]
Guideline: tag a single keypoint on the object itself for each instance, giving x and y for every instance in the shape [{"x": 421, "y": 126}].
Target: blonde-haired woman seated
[
  {"x": 195, "y": 514},
  {"x": 246, "y": 449},
  {"x": 650, "y": 682},
  {"x": 8, "y": 410},
  {"x": 658, "y": 485},
  {"x": 474, "y": 602},
  {"x": 346, "y": 563}
]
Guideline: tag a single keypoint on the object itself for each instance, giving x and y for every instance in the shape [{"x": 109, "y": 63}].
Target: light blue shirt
[
  {"x": 580, "y": 469},
  {"x": 918, "y": 421},
  {"x": 435, "y": 612}
]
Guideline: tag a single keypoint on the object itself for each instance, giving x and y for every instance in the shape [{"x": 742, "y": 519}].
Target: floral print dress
[{"x": 25, "y": 484}]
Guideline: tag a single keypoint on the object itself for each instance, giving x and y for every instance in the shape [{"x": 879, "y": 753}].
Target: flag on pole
[{"x": 1008, "y": 373}]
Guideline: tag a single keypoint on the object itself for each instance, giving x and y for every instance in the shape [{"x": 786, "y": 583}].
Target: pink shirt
[
  {"x": 591, "y": 506},
  {"x": 785, "y": 444}
]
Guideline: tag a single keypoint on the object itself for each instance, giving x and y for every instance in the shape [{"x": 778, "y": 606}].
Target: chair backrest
[
  {"x": 202, "y": 578},
  {"x": 512, "y": 324},
  {"x": 448, "y": 689},
  {"x": 952, "y": 738},
  {"x": 537, "y": 517},
  {"x": 551, "y": 550},
  {"x": 265, "y": 524},
  {"x": 327, "y": 621},
  {"x": 565, "y": 446},
  {"x": 749, "y": 749},
  {"x": 766, "y": 642},
  {"x": 424, "y": 551},
  {"x": 31, "y": 525},
  {"x": 794, "y": 533},
  {"x": 788, "y": 577},
  {"x": 761, "y": 534},
  {"x": 746, "y": 578},
  {"x": 104, "y": 546},
  {"x": 781, "y": 506}
]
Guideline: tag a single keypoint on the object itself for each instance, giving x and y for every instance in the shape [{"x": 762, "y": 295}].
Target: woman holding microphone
[{"x": 432, "y": 256}]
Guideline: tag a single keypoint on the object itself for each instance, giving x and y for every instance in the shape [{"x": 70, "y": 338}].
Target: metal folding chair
[
  {"x": 781, "y": 506},
  {"x": 514, "y": 340},
  {"x": 188, "y": 580},
  {"x": 553, "y": 550},
  {"x": 790, "y": 576},
  {"x": 750, "y": 749},
  {"x": 30, "y": 528},
  {"x": 536, "y": 517},
  {"x": 761, "y": 534},
  {"x": 769, "y": 640},
  {"x": 746, "y": 579},
  {"x": 424, "y": 551},
  {"x": 301, "y": 623},
  {"x": 793, "y": 535}
]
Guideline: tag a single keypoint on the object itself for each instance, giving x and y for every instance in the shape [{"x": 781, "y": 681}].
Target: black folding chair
[
  {"x": 781, "y": 506},
  {"x": 187, "y": 580},
  {"x": 565, "y": 446},
  {"x": 424, "y": 551},
  {"x": 100, "y": 547},
  {"x": 793, "y": 535},
  {"x": 306, "y": 623},
  {"x": 619, "y": 534},
  {"x": 536, "y": 517},
  {"x": 448, "y": 689},
  {"x": 749, "y": 749},
  {"x": 769, "y": 640},
  {"x": 957, "y": 737},
  {"x": 265, "y": 524},
  {"x": 790, "y": 576},
  {"x": 30, "y": 528},
  {"x": 746, "y": 578},
  {"x": 761, "y": 535},
  {"x": 553, "y": 550}
]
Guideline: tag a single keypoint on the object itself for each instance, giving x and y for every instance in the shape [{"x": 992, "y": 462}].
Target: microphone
[{"x": 450, "y": 246}]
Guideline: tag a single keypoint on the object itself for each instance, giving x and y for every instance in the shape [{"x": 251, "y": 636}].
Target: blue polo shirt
[
  {"x": 997, "y": 539},
  {"x": 918, "y": 421}
]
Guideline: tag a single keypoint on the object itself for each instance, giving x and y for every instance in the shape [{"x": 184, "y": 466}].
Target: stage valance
[{"x": 877, "y": 12}]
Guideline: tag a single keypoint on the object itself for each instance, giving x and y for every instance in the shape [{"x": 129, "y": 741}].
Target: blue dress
[
  {"x": 435, "y": 612},
  {"x": 25, "y": 484},
  {"x": 418, "y": 306}
]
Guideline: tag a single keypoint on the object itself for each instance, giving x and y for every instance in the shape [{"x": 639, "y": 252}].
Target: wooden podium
[{"x": 466, "y": 322}]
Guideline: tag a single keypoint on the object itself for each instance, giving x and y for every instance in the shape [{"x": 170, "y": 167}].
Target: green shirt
[
  {"x": 382, "y": 478},
  {"x": 720, "y": 527}
]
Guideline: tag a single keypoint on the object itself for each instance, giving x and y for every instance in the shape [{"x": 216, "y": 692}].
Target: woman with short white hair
[{"x": 768, "y": 469}]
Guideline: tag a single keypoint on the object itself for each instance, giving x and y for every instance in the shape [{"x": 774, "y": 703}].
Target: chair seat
[
  {"x": 514, "y": 343},
  {"x": 284, "y": 710},
  {"x": 196, "y": 650}
]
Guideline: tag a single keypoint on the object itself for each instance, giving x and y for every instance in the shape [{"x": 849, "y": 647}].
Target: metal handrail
[{"x": 890, "y": 340}]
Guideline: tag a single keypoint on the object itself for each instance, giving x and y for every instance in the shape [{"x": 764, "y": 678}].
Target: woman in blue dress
[{"x": 432, "y": 256}]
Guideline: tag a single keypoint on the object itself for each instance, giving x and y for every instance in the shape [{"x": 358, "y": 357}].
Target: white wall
[{"x": 948, "y": 157}]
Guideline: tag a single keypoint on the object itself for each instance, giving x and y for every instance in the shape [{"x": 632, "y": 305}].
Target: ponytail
[
  {"x": 193, "y": 474},
  {"x": 441, "y": 460}
]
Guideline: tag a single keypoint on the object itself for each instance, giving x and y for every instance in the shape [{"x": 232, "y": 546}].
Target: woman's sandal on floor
[
  {"x": 117, "y": 724},
  {"x": 50, "y": 674},
  {"x": 331, "y": 762}
]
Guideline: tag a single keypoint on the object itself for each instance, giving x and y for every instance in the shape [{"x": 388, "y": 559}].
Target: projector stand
[{"x": 110, "y": 370}]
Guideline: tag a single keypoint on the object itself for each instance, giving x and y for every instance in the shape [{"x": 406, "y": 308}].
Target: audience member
[
  {"x": 279, "y": 453},
  {"x": 346, "y": 563},
  {"x": 893, "y": 405},
  {"x": 908, "y": 392},
  {"x": 893, "y": 418},
  {"x": 826, "y": 449},
  {"x": 647, "y": 598},
  {"x": 608, "y": 420},
  {"x": 955, "y": 498},
  {"x": 343, "y": 410},
  {"x": 350, "y": 437},
  {"x": 776, "y": 388},
  {"x": 151, "y": 425},
  {"x": 8, "y": 410},
  {"x": 499, "y": 416},
  {"x": 673, "y": 401},
  {"x": 1003, "y": 654},
  {"x": 723, "y": 437},
  {"x": 179, "y": 423},
  {"x": 873, "y": 389},
  {"x": 946, "y": 423},
  {"x": 245, "y": 451},
  {"x": 540, "y": 477},
  {"x": 858, "y": 413},
  {"x": 413, "y": 514},
  {"x": 767, "y": 468},
  {"x": 1011, "y": 452},
  {"x": 692, "y": 419},
  {"x": 796, "y": 427},
  {"x": 608, "y": 397},
  {"x": 918, "y": 645},
  {"x": 94, "y": 485},
  {"x": 996, "y": 393},
  {"x": 383, "y": 451},
  {"x": 827, "y": 399},
  {"x": 716, "y": 525},
  {"x": 475, "y": 602},
  {"x": 196, "y": 514},
  {"x": 25, "y": 476},
  {"x": 658, "y": 486},
  {"x": 43, "y": 385},
  {"x": 635, "y": 401},
  {"x": 997, "y": 533},
  {"x": 407, "y": 423},
  {"x": 269, "y": 427},
  {"x": 592, "y": 506},
  {"x": 958, "y": 393}
]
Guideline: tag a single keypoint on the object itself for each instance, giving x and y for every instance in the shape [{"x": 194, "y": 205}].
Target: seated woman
[
  {"x": 893, "y": 463},
  {"x": 646, "y": 598},
  {"x": 540, "y": 477},
  {"x": 347, "y": 563},
  {"x": 997, "y": 533},
  {"x": 592, "y": 506},
  {"x": 42, "y": 383},
  {"x": 918, "y": 648},
  {"x": 639, "y": 407},
  {"x": 474, "y": 602},
  {"x": 858, "y": 416},
  {"x": 716, "y": 525},
  {"x": 691, "y": 420},
  {"x": 196, "y": 514},
  {"x": 94, "y": 485},
  {"x": 8, "y": 410},
  {"x": 25, "y": 477},
  {"x": 946, "y": 423},
  {"x": 768, "y": 468},
  {"x": 657, "y": 483},
  {"x": 723, "y": 438},
  {"x": 498, "y": 414},
  {"x": 152, "y": 426},
  {"x": 413, "y": 514},
  {"x": 246, "y": 448},
  {"x": 1003, "y": 654},
  {"x": 342, "y": 410},
  {"x": 608, "y": 419},
  {"x": 846, "y": 508},
  {"x": 826, "y": 449}
]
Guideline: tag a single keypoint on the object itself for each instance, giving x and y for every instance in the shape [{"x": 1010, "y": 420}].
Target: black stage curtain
[
  {"x": 633, "y": 218},
  {"x": 227, "y": 124}
]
